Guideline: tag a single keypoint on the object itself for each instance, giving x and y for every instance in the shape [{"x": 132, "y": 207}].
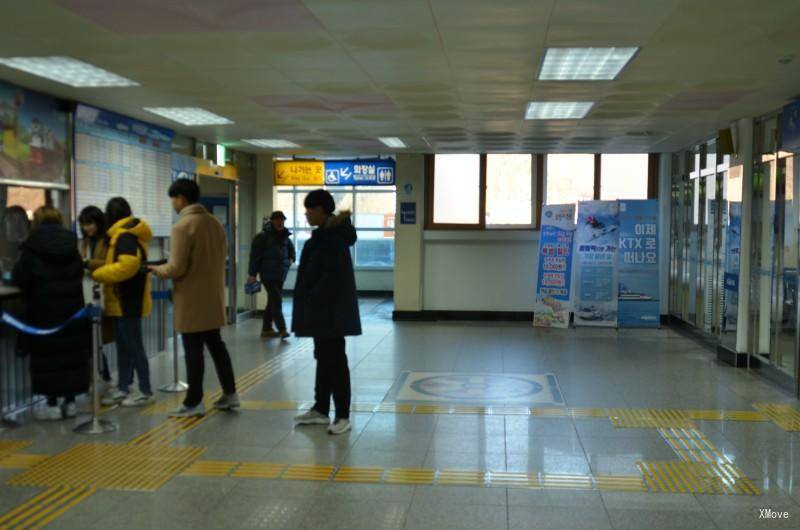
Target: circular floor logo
[{"x": 476, "y": 386}]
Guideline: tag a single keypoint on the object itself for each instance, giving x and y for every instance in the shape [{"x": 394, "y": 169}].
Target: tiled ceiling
[{"x": 443, "y": 75}]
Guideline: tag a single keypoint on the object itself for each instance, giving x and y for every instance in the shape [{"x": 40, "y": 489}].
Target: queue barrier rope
[{"x": 90, "y": 311}]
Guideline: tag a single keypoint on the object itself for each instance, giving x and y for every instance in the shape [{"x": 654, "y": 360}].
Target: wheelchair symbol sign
[{"x": 332, "y": 176}]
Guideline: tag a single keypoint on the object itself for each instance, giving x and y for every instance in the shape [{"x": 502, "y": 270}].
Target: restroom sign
[{"x": 371, "y": 172}]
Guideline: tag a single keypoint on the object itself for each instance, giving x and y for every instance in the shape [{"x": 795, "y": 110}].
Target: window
[
  {"x": 623, "y": 176},
  {"x": 473, "y": 191},
  {"x": 509, "y": 186},
  {"x": 570, "y": 178},
  {"x": 373, "y": 210},
  {"x": 456, "y": 189}
]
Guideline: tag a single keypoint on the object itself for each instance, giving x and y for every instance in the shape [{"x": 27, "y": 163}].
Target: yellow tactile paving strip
[
  {"x": 696, "y": 477},
  {"x": 9, "y": 447},
  {"x": 784, "y": 416},
  {"x": 415, "y": 476},
  {"x": 44, "y": 508},
  {"x": 620, "y": 417},
  {"x": 110, "y": 466},
  {"x": 649, "y": 418},
  {"x": 22, "y": 460}
]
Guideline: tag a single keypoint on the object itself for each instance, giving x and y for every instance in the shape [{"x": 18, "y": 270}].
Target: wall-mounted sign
[
  {"x": 33, "y": 136},
  {"x": 188, "y": 167},
  {"x": 408, "y": 213},
  {"x": 299, "y": 173},
  {"x": 368, "y": 172}
]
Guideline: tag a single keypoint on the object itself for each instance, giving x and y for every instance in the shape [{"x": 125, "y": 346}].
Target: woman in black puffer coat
[{"x": 50, "y": 275}]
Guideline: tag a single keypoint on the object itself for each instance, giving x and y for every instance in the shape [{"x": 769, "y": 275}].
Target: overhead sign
[
  {"x": 299, "y": 173},
  {"x": 367, "y": 172},
  {"x": 373, "y": 172}
]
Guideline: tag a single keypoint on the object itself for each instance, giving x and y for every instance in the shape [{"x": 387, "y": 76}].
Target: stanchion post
[
  {"x": 176, "y": 385},
  {"x": 96, "y": 425}
]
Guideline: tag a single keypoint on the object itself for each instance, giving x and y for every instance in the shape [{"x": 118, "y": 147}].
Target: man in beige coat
[{"x": 197, "y": 268}]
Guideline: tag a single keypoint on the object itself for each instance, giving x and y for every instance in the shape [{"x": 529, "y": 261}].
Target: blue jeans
[{"x": 131, "y": 356}]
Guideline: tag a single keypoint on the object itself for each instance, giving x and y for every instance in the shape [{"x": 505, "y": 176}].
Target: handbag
[{"x": 252, "y": 288}]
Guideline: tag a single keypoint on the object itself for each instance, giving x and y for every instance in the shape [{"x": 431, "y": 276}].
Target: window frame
[
  {"x": 297, "y": 192},
  {"x": 536, "y": 197},
  {"x": 539, "y": 177}
]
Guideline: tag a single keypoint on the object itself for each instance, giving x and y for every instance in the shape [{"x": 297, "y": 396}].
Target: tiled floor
[{"x": 594, "y": 368}]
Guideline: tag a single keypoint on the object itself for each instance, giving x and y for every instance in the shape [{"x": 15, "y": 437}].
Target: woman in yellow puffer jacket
[{"x": 127, "y": 299}]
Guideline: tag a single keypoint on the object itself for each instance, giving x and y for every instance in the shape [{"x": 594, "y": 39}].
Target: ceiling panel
[{"x": 453, "y": 73}]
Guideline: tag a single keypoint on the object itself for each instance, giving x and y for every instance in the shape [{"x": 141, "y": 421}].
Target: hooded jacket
[
  {"x": 325, "y": 299},
  {"x": 271, "y": 255},
  {"x": 126, "y": 285},
  {"x": 50, "y": 275}
]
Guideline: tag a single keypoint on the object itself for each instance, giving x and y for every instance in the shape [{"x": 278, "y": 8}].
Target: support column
[
  {"x": 409, "y": 241},
  {"x": 665, "y": 224},
  {"x": 745, "y": 158}
]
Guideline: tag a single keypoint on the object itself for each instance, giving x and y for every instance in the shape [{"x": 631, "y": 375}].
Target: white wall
[{"x": 480, "y": 271}]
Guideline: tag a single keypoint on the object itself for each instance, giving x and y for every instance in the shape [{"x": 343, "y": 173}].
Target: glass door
[
  {"x": 784, "y": 286},
  {"x": 730, "y": 243}
]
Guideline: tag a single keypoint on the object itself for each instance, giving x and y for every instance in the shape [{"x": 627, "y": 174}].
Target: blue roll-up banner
[
  {"x": 554, "y": 276},
  {"x": 733, "y": 238},
  {"x": 639, "y": 293},
  {"x": 596, "y": 242},
  {"x": 368, "y": 172}
]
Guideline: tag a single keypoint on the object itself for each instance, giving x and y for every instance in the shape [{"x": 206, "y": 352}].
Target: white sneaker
[
  {"x": 69, "y": 410},
  {"x": 312, "y": 417},
  {"x": 114, "y": 398},
  {"x": 47, "y": 413},
  {"x": 188, "y": 412},
  {"x": 137, "y": 399},
  {"x": 227, "y": 402},
  {"x": 340, "y": 426}
]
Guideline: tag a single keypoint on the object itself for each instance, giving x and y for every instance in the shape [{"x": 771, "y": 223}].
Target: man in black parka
[
  {"x": 271, "y": 256},
  {"x": 326, "y": 307}
]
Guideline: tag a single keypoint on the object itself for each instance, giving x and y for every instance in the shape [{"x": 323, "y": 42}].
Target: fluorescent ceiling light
[
  {"x": 393, "y": 142},
  {"x": 589, "y": 64},
  {"x": 189, "y": 115},
  {"x": 68, "y": 71},
  {"x": 271, "y": 143},
  {"x": 557, "y": 110}
]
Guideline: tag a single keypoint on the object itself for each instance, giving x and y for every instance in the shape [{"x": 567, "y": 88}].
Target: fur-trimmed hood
[{"x": 338, "y": 226}]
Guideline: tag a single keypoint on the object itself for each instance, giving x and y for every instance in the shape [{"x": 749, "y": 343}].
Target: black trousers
[
  {"x": 195, "y": 364},
  {"x": 274, "y": 309},
  {"x": 333, "y": 377}
]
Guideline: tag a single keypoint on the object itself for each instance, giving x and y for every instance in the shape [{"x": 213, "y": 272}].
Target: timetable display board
[{"x": 119, "y": 156}]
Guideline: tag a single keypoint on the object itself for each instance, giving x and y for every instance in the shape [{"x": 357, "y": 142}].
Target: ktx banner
[
  {"x": 554, "y": 277},
  {"x": 638, "y": 264},
  {"x": 597, "y": 238}
]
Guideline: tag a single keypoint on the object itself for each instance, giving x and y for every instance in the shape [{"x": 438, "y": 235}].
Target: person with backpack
[
  {"x": 271, "y": 255},
  {"x": 127, "y": 299}
]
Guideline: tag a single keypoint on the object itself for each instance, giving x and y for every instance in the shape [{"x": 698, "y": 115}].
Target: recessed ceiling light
[
  {"x": 557, "y": 110},
  {"x": 271, "y": 143},
  {"x": 589, "y": 64},
  {"x": 68, "y": 71},
  {"x": 393, "y": 142},
  {"x": 189, "y": 115}
]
